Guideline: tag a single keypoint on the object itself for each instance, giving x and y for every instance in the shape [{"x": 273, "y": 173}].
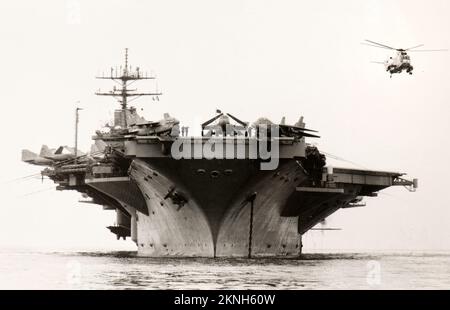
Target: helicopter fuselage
[{"x": 399, "y": 63}]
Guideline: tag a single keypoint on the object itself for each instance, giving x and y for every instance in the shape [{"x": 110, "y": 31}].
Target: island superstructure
[{"x": 208, "y": 196}]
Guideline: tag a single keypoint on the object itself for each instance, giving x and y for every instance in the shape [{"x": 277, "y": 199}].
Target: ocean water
[{"x": 125, "y": 270}]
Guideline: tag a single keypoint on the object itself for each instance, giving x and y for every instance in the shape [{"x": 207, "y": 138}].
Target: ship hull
[
  {"x": 215, "y": 208},
  {"x": 225, "y": 208}
]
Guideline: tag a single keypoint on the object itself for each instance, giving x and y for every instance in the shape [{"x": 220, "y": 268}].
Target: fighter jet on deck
[
  {"x": 62, "y": 153},
  {"x": 48, "y": 157},
  {"x": 297, "y": 130},
  {"x": 34, "y": 159},
  {"x": 167, "y": 126}
]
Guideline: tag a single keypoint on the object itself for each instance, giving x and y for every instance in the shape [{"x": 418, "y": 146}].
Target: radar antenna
[{"x": 125, "y": 77}]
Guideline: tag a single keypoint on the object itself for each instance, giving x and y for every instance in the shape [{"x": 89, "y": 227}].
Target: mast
[
  {"x": 76, "y": 133},
  {"x": 125, "y": 77}
]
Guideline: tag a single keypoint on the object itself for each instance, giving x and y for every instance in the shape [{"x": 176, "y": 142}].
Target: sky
[{"x": 249, "y": 58}]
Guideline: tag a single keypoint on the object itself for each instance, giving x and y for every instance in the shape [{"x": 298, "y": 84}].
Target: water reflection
[{"x": 126, "y": 270}]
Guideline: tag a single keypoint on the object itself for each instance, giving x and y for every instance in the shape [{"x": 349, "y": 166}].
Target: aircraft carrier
[{"x": 237, "y": 190}]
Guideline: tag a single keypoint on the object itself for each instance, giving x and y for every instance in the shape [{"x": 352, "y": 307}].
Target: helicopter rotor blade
[
  {"x": 441, "y": 50},
  {"x": 211, "y": 120},
  {"x": 245, "y": 124},
  {"x": 285, "y": 130},
  {"x": 305, "y": 134},
  {"x": 385, "y": 46},
  {"x": 372, "y": 45},
  {"x": 303, "y": 129},
  {"x": 295, "y": 129},
  {"x": 378, "y": 62},
  {"x": 410, "y": 48}
]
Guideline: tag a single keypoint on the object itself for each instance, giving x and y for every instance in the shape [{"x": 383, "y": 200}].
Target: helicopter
[
  {"x": 401, "y": 61},
  {"x": 223, "y": 125}
]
